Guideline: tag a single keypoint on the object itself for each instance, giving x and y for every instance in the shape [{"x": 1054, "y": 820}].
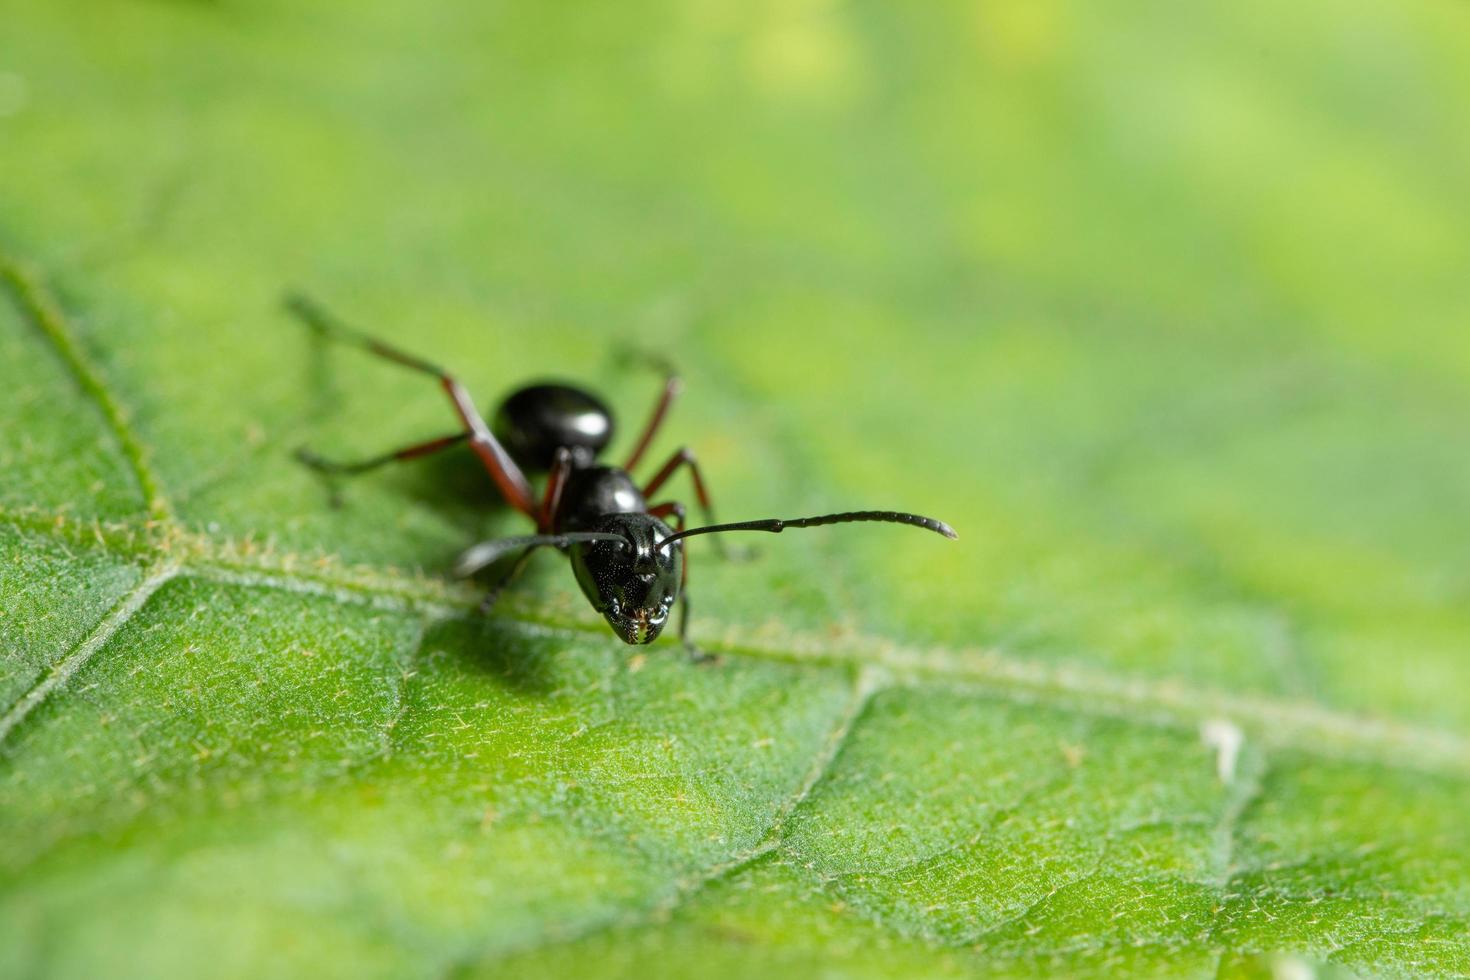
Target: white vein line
[
  {"x": 67, "y": 667},
  {"x": 1243, "y": 790},
  {"x": 408, "y": 663},
  {"x": 383, "y": 600},
  {"x": 1275, "y": 722},
  {"x": 866, "y": 685},
  {"x": 1247, "y": 784}
]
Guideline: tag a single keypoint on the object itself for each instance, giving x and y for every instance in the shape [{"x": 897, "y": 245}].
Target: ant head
[{"x": 633, "y": 583}]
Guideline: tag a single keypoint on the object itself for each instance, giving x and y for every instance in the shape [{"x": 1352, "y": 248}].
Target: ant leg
[
  {"x": 696, "y": 655},
  {"x": 498, "y": 589},
  {"x": 513, "y": 485},
  {"x": 672, "y": 386},
  {"x": 685, "y": 457},
  {"x": 680, "y": 516},
  {"x": 561, "y": 468},
  {"x": 417, "y": 451}
]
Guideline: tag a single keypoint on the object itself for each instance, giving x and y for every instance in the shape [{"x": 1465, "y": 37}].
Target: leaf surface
[{"x": 1163, "y": 312}]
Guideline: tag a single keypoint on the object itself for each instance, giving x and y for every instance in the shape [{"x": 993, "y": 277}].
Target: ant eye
[{"x": 615, "y": 608}]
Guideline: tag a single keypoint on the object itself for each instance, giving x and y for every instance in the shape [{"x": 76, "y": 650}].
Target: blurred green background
[{"x": 1163, "y": 306}]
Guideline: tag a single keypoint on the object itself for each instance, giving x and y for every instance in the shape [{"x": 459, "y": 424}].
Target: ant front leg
[
  {"x": 696, "y": 655},
  {"x": 514, "y": 572},
  {"x": 513, "y": 485}
]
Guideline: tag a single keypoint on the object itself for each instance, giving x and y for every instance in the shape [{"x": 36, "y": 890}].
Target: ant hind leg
[
  {"x": 673, "y": 384},
  {"x": 419, "y": 450},
  {"x": 508, "y": 477}
]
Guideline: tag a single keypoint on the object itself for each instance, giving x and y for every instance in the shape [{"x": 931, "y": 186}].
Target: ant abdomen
[{"x": 535, "y": 421}]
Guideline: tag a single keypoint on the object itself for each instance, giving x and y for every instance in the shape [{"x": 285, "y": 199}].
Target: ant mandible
[{"x": 629, "y": 563}]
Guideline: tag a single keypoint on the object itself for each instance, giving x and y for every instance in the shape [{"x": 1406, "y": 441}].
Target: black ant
[{"x": 628, "y": 562}]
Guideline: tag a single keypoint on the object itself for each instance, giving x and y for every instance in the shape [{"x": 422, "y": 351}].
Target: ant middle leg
[
  {"x": 556, "y": 481},
  {"x": 685, "y": 458},
  {"x": 513, "y": 485}
]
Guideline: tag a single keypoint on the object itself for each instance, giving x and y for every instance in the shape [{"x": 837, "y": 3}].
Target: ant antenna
[
  {"x": 488, "y": 552},
  {"x": 776, "y": 525}
]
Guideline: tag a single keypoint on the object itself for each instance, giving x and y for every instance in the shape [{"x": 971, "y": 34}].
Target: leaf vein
[
  {"x": 866, "y": 684},
  {"x": 1279, "y": 722},
  {"x": 83, "y": 651},
  {"x": 41, "y": 308}
]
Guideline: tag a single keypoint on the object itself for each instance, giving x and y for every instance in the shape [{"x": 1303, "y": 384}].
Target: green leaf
[{"x": 1163, "y": 308}]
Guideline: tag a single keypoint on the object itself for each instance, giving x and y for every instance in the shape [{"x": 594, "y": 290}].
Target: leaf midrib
[
  {"x": 1281, "y": 723},
  {"x": 169, "y": 550}
]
